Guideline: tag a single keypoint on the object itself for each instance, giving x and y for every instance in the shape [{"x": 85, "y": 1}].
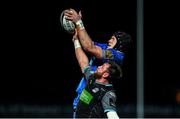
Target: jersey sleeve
[
  {"x": 102, "y": 45},
  {"x": 108, "y": 102},
  {"x": 88, "y": 72}
]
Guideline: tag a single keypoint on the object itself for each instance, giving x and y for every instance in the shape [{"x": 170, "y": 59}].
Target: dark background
[
  {"x": 161, "y": 49},
  {"x": 161, "y": 60},
  {"x": 39, "y": 66}
]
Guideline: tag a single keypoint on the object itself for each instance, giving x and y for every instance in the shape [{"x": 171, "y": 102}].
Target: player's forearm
[
  {"x": 80, "y": 55},
  {"x": 84, "y": 38}
]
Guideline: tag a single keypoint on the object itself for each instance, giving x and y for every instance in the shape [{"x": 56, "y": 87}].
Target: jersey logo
[
  {"x": 108, "y": 54},
  {"x": 86, "y": 97},
  {"x": 95, "y": 90}
]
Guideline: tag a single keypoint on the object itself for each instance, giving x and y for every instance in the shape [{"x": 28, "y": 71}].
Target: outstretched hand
[{"x": 72, "y": 15}]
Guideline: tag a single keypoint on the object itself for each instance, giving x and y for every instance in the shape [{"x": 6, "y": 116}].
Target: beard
[{"x": 98, "y": 75}]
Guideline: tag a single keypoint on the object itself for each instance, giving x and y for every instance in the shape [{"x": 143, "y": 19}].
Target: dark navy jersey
[
  {"x": 109, "y": 54},
  {"x": 96, "y": 98}
]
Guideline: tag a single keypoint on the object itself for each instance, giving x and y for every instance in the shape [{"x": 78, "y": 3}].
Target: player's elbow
[{"x": 88, "y": 47}]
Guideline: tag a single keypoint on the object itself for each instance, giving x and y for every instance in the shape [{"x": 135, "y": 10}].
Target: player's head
[
  {"x": 110, "y": 71},
  {"x": 120, "y": 41}
]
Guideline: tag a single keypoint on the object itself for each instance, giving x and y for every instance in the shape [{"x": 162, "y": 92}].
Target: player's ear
[
  {"x": 105, "y": 74},
  {"x": 80, "y": 14}
]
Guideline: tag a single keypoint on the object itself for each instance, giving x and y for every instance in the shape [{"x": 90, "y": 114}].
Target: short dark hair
[
  {"x": 123, "y": 40},
  {"x": 115, "y": 71}
]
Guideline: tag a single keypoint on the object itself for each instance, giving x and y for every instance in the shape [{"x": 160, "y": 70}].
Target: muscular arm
[
  {"x": 84, "y": 38},
  {"x": 88, "y": 44},
  {"x": 81, "y": 57},
  {"x": 108, "y": 103}
]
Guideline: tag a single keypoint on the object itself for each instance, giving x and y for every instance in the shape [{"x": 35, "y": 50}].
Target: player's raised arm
[
  {"x": 80, "y": 55},
  {"x": 86, "y": 41}
]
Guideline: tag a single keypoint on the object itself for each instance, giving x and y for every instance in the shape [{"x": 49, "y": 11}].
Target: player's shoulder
[
  {"x": 114, "y": 51},
  {"x": 102, "y": 45},
  {"x": 110, "y": 94}
]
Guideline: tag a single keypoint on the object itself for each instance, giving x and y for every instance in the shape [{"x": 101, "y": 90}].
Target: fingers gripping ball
[{"x": 67, "y": 25}]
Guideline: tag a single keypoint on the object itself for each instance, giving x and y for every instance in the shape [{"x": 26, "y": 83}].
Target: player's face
[
  {"x": 112, "y": 42},
  {"x": 101, "y": 70}
]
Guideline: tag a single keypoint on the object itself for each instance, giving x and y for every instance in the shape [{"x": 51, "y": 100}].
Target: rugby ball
[{"x": 67, "y": 25}]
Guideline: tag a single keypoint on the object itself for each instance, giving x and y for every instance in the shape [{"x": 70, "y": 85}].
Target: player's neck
[{"x": 102, "y": 80}]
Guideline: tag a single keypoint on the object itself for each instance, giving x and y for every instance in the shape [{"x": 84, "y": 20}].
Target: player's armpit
[{"x": 96, "y": 51}]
